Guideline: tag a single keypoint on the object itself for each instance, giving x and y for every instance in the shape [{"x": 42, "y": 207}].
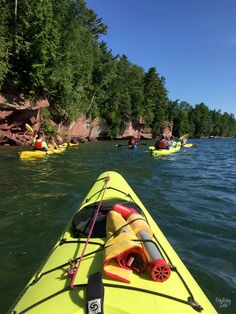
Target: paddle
[
  {"x": 182, "y": 137},
  {"x": 124, "y": 145},
  {"x": 28, "y": 127}
]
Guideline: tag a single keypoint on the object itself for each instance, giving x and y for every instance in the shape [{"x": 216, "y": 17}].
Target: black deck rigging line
[
  {"x": 48, "y": 298},
  {"x": 163, "y": 250},
  {"x": 103, "y": 247},
  {"x": 170, "y": 262},
  {"x": 35, "y": 280},
  {"x": 65, "y": 241},
  {"x": 190, "y": 301},
  {"x": 107, "y": 188},
  {"x": 194, "y": 305}
]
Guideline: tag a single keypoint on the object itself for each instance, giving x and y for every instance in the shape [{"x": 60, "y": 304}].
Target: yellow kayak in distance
[
  {"x": 70, "y": 145},
  {"x": 31, "y": 154},
  {"x": 90, "y": 271},
  {"x": 163, "y": 152},
  {"x": 189, "y": 145}
]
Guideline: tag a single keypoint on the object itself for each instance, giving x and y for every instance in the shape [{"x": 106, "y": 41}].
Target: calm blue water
[{"x": 192, "y": 196}]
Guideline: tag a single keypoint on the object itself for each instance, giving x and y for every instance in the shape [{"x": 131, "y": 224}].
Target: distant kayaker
[
  {"x": 184, "y": 141},
  {"x": 132, "y": 142},
  {"x": 39, "y": 142},
  {"x": 172, "y": 142},
  {"x": 161, "y": 143},
  {"x": 74, "y": 140}
]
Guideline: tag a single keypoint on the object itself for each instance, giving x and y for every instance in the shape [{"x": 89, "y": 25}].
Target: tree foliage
[
  {"x": 200, "y": 121},
  {"x": 52, "y": 48},
  {"x": 5, "y": 40}
]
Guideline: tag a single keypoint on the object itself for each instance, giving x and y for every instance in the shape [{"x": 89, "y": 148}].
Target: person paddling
[
  {"x": 132, "y": 143},
  {"x": 161, "y": 143},
  {"x": 39, "y": 142},
  {"x": 184, "y": 141},
  {"x": 172, "y": 142}
]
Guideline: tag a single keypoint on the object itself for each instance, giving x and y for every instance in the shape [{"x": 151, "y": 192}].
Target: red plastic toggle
[{"x": 160, "y": 270}]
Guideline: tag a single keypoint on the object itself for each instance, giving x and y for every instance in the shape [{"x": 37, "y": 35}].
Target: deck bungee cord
[
  {"x": 189, "y": 302},
  {"x": 75, "y": 260},
  {"x": 191, "y": 298},
  {"x": 173, "y": 268}
]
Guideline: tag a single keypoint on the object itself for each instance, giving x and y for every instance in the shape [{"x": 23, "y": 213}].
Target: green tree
[
  {"x": 202, "y": 119},
  {"x": 34, "y": 42},
  {"x": 104, "y": 72},
  {"x": 216, "y": 118},
  {"x": 5, "y": 40},
  {"x": 71, "y": 77},
  {"x": 182, "y": 121},
  {"x": 118, "y": 106},
  {"x": 155, "y": 100}
]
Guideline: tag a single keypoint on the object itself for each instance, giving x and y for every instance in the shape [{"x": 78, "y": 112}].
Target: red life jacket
[
  {"x": 131, "y": 142},
  {"x": 38, "y": 144},
  {"x": 162, "y": 144}
]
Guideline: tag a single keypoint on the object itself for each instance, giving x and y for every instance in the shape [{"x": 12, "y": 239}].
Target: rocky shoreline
[{"x": 16, "y": 111}]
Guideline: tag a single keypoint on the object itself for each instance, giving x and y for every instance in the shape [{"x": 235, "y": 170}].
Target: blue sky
[{"x": 192, "y": 43}]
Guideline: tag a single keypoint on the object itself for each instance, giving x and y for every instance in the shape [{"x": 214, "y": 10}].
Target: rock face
[
  {"x": 84, "y": 128},
  {"x": 15, "y": 112}
]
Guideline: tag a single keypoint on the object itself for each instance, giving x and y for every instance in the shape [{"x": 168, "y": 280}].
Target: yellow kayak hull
[
  {"x": 49, "y": 289},
  {"x": 163, "y": 152},
  {"x": 70, "y": 145},
  {"x": 31, "y": 154},
  {"x": 189, "y": 145}
]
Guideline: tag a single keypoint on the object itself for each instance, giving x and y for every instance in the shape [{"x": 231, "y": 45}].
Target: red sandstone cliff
[{"x": 15, "y": 112}]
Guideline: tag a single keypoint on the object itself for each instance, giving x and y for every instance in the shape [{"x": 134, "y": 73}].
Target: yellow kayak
[
  {"x": 112, "y": 258},
  {"x": 31, "y": 154},
  {"x": 70, "y": 145},
  {"x": 189, "y": 145},
  {"x": 163, "y": 152}
]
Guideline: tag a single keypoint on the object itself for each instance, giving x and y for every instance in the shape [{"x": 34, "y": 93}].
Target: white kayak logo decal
[{"x": 94, "y": 306}]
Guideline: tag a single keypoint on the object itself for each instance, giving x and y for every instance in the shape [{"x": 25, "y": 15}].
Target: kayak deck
[{"x": 49, "y": 289}]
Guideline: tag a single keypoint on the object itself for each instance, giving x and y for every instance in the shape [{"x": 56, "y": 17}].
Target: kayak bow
[{"x": 97, "y": 247}]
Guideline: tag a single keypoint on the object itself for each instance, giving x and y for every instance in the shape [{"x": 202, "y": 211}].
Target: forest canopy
[{"x": 52, "y": 49}]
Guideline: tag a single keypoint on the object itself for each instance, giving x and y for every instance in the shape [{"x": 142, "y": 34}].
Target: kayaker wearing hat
[{"x": 39, "y": 142}]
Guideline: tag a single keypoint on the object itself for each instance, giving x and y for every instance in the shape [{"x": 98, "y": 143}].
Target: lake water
[{"x": 191, "y": 194}]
